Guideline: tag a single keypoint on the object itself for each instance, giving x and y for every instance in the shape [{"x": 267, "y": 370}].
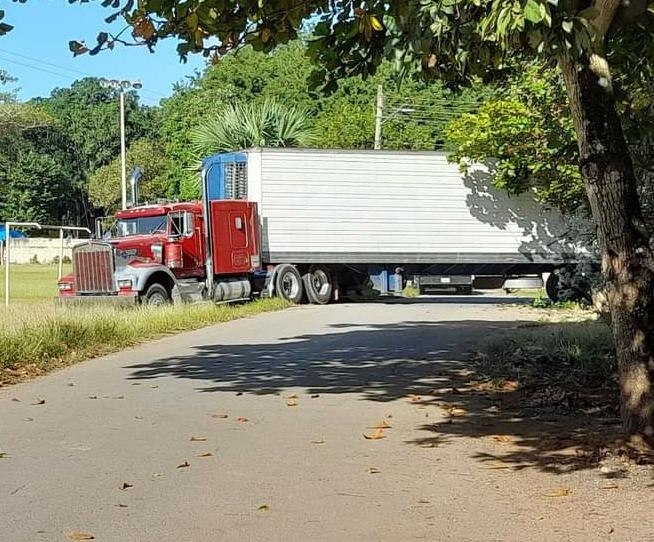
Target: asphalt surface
[{"x": 254, "y": 431}]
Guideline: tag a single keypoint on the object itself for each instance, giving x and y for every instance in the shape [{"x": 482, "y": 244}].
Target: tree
[
  {"x": 89, "y": 114},
  {"x": 104, "y": 184},
  {"x": 39, "y": 168},
  {"x": 527, "y": 132},
  {"x": 457, "y": 40}
]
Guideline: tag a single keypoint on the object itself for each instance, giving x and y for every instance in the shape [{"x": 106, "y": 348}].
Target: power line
[
  {"x": 59, "y": 67},
  {"x": 62, "y": 75}
]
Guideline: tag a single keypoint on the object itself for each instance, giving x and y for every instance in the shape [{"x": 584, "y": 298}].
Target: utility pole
[
  {"x": 123, "y": 165},
  {"x": 379, "y": 114}
]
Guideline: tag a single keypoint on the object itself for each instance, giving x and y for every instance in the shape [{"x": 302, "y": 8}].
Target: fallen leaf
[
  {"x": 197, "y": 439},
  {"x": 93, "y": 396},
  {"x": 503, "y": 438},
  {"x": 383, "y": 425},
  {"x": 157, "y": 474},
  {"x": 456, "y": 412},
  {"x": 206, "y": 454},
  {"x": 610, "y": 486},
  {"x": 138, "y": 417},
  {"x": 15, "y": 399},
  {"x": 154, "y": 386},
  {"x": 121, "y": 505},
  {"x": 414, "y": 398},
  {"x": 294, "y": 396},
  {"x": 263, "y": 508},
  {"x": 429, "y": 445},
  {"x": 3, "y": 454},
  {"x": 315, "y": 396},
  {"x": 561, "y": 492},
  {"x": 136, "y": 383},
  {"x": 75, "y": 535},
  {"x": 373, "y": 470},
  {"x": 378, "y": 434},
  {"x": 219, "y": 416},
  {"x": 318, "y": 441},
  {"x": 239, "y": 393},
  {"x": 241, "y": 419},
  {"x": 71, "y": 384},
  {"x": 497, "y": 467},
  {"x": 120, "y": 397},
  {"x": 38, "y": 402},
  {"x": 126, "y": 485},
  {"x": 423, "y": 501},
  {"x": 28, "y": 419},
  {"x": 291, "y": 401},
  {"x": 183, "y": 465}
]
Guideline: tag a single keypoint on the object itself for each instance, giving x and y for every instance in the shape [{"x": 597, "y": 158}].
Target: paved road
[{"x": 106, "y": 452}]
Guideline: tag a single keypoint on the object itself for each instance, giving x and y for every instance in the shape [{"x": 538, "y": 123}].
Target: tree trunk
[{"x": 627, "y": 259}]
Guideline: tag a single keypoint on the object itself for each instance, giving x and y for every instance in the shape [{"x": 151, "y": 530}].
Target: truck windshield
[{"x": 140, "y": 226}]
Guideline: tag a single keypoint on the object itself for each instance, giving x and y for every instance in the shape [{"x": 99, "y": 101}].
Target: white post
[
  {"x": 61, "y": 253},
  {"x": 379, "y": 113},
  {"x": 123, "y": 171},
  {"x": 8, "y": 259}
]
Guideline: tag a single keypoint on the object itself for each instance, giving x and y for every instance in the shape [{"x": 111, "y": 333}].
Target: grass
[
  {"x": 37, "y": 336},
  {"x": 31, "y": 282},
  {"x": 575, "y": 357}
]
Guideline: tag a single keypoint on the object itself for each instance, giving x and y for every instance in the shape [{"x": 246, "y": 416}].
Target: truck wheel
[
  {"x": 156, "y": 295},
  {"x": 288, "y": 283},
  {"x": 318, "y": 285},
  {"x": 552, "y": 286}
]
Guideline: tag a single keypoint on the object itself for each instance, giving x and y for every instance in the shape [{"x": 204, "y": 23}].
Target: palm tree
[{"x": 268, "y": 123}]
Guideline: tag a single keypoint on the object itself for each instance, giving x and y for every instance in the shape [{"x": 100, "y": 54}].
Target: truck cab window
[{"x": 181, "y": 223}]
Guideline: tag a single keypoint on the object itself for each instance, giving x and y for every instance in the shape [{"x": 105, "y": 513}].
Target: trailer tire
[
  {"x": 156, "y": 295},
  {"x": 288, "y": 283},
  {"x": 552, "y": 286},
  {"x": 318, "y": 285}
]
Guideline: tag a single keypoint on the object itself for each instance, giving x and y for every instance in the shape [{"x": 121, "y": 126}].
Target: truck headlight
[
  {"x": 125, "y": 284},
  {"x": 64, "y": 286}
]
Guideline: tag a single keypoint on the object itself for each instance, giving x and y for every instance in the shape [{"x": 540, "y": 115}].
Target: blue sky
[{"x": 36, "y": 51}]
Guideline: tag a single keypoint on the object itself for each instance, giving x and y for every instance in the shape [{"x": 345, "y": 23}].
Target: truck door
[{"x": 186, "y": 229}]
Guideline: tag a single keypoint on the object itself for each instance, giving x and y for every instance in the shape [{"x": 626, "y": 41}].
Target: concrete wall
[{"x": 41, "y": 250}]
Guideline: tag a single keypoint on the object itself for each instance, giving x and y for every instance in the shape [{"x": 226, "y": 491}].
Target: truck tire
[
  {"x": 318, "y": 285},
  {"x": 156, "y": 295},
  {"x": 552, "y": 286},
  {"x": 288, "y": 283}
]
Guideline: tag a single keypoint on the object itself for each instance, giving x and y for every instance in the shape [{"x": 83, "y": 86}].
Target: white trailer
[{"x": 383, "y": 217}]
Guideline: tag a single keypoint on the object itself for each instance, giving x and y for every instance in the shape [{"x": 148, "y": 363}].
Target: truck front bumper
[{"x": 131, "y": 299}]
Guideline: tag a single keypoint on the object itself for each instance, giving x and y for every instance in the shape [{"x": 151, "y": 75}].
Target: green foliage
[
  {"x": 105, "y": 182},
  {"x": 89, "y": 114},
  {"x": 527, "y": 132},
  {"x": 251, "y": 124},
  {"x": 39, "y": 168}
]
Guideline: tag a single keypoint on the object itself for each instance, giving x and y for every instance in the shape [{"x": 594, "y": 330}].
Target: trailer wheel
[
  {"x": 552, "y": 286},
  {"x": 156, "y": 295},
  {"x": 288, "y": 283},
  {"x": 318, "y": 285}
]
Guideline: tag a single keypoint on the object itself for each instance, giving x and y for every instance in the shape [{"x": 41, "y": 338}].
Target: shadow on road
[{"x": 425, "y": 363}]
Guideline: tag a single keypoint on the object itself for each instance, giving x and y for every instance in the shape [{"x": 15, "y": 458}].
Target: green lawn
[{"x": 31, "y": 282}]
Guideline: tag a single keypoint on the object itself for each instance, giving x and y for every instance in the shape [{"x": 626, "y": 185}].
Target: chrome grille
[{"x": 93, "y": 267}]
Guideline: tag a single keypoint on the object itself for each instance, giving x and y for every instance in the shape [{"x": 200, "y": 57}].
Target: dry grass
[{"x": 37, "y": 336}]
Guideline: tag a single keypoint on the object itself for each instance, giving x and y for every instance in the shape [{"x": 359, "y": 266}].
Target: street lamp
[{"x": 121, "y": 87}]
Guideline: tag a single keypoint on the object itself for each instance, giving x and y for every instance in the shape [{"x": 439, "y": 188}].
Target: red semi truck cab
[{"x": 158, "y": 253}]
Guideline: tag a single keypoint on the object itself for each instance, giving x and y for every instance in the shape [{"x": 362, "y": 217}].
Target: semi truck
[{"x": 315, "y": 225}]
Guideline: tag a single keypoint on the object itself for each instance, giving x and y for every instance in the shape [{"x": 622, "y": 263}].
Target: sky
[{"x": 36, "y": 51}]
